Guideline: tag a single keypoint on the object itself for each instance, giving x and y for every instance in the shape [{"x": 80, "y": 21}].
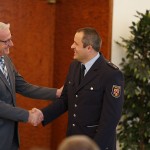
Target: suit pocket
[
  {"x": 92, "y": 126},
  {"x": 91, "y": 130}
]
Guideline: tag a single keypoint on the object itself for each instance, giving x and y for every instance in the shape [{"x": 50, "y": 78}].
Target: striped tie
[{"x": 3, "y": 68}]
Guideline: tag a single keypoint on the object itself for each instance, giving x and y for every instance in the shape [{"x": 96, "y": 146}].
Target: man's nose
[
  {"x": 72, "y": 46},
  {"x": 11, "y": 43}
]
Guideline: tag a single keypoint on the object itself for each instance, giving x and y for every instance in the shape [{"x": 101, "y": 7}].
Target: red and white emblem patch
[{"x": 116, "y": 90}]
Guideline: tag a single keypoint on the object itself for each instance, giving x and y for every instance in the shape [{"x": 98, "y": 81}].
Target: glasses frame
[{"x": 6, "y": 42}]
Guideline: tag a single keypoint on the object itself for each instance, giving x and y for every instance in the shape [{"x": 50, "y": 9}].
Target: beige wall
[{"x": 123, "y": 15}]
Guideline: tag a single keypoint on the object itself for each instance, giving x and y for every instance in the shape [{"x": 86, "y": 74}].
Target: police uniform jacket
[{"x": 94, "y": 107}]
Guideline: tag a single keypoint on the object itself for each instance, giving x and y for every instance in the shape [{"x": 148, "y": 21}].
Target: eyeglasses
[{"x": 6, "y": 42}]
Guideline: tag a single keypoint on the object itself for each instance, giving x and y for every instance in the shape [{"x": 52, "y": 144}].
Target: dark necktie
[
  {"x": 3, "y": 68},
  {"x": 82, "y": 71}
]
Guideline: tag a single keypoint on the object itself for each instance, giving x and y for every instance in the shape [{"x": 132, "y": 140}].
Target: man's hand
[
  {"x": 35, "y": 116},
  {"x": 59, "y": 91}
]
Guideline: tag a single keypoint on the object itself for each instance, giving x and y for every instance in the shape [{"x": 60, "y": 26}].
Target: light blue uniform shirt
[{"x": 89, "y": 64}]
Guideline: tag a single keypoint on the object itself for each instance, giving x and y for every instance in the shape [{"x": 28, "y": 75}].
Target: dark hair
[{"x": 91, "y": 37}]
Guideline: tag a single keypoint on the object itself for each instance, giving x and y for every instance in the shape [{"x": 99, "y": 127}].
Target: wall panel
[
  {"x": 42, "y": 36},
  {"x": 71, "y": 15},
  {"x": 32, "y": 25}
]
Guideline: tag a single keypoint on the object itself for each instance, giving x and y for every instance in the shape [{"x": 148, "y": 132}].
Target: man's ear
[{"x": 90, "y": 48}]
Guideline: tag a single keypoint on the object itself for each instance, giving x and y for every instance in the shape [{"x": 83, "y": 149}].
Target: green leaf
[{"x": 134, "y": 128}]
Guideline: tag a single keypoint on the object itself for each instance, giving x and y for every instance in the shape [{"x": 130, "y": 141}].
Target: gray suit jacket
[{"x": 9, "y": 113}]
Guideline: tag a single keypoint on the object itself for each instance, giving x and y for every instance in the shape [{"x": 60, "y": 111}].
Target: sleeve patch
[{"x": 116, "y": 91}]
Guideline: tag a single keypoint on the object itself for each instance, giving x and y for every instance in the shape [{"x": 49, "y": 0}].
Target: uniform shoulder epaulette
[{"x": 112, "y": 65}]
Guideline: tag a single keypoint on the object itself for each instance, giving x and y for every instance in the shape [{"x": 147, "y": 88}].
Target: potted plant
[{"x": 134, "y": 128}]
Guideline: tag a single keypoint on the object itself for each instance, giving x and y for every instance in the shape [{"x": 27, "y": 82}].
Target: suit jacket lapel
[
  {"x": 9, "y": 72},
  {"x": 10, "y": 77},
  {"x": 5, "y": 82},
  {"x": 77, "y": 74}
]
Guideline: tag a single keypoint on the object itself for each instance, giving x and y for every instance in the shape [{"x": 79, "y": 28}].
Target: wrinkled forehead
[
  {"x": 4, "y": 27},
  {"x": 5, "y": 34}
]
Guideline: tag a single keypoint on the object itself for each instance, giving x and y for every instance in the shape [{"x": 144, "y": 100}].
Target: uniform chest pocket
[
  {"x": 92, "y": 87},
  {"x": 93, "y": 91}
]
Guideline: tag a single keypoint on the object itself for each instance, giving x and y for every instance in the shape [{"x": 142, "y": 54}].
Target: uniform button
[
  {"x": 106, "y": 147},
  {"x": 75, "y": 105},
  {"x": 91, "y": 88},
  {"x": 73, "y": 125},
  {"x": 76, "y": 96},
  {"x": 74, "y": 115}
]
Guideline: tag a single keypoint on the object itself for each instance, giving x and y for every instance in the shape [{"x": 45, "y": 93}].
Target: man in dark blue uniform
[{"x": 94, "y": 103}]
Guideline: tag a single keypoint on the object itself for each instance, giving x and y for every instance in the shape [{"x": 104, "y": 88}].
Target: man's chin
[{"x": 74, "y": 57}]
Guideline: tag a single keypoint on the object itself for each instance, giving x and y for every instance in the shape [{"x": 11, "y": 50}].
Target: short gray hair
[
  {"x": 4, "y": 26},
  {"x": 91, "y": 37}
]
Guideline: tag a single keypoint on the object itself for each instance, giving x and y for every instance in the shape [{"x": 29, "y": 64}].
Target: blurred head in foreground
[{"x": 78, "y": 142}]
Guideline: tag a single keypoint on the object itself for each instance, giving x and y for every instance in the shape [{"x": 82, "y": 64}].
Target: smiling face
[
  {"x": 5, "y": 41},
  {"x": 80, "y": 53}
]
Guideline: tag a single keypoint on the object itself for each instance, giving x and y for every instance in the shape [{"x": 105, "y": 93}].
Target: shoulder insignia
[
  {"x": 116, "y": 91},
  {"x": 112, "y": 65}
]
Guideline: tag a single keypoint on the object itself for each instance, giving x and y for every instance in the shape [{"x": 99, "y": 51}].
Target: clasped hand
[{"x": 35, "y": 116}]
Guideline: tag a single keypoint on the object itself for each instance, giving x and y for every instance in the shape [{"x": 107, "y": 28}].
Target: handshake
[{"x": 35, "y": 116}]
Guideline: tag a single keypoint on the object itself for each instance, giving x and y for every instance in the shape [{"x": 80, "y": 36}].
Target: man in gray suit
[{"x": 11, "y": 82}]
